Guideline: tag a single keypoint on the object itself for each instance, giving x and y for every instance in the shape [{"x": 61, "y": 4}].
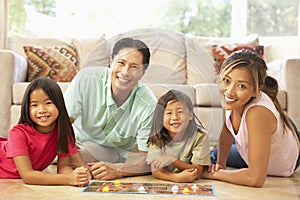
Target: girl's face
[
  {"x": 42, "y": 111},
  {"x": 127, "y": 69},
  {"x": 236, "y": 89},
  {"x": 176, "y": 118}
]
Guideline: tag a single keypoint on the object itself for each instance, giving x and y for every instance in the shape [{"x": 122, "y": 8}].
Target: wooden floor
[{"x": 274, "y": 188}]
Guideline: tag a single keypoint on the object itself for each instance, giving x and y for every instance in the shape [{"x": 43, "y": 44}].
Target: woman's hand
[
  {"x": 209, "y": 171},
  {"x": 213, "y": 168}
]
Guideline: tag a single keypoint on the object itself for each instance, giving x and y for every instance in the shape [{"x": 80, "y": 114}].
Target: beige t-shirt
[{"x": 192, "y": 148}]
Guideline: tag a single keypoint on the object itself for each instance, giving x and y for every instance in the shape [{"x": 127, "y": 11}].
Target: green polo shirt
[{"x": 97, "y": 117}]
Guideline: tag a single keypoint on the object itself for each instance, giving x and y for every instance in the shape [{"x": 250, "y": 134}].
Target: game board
[{"x": 150, "y": 188}]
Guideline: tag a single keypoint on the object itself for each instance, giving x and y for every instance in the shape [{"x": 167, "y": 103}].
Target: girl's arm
[
  {"x": 76, "y": 177},
  {"x": 261, "y": 125},
  {"x": 165, "y": 160},
  {"x": 179, "y": 164},
  {"x": 187, "y": 175}
]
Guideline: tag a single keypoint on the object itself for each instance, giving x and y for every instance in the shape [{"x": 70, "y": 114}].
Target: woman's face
[
  {"x": 127, "y": 69},
  {"x": 42, "y": 111},
  {"x": 236, "y": 89},
  {"x": 176, "y": 118}
]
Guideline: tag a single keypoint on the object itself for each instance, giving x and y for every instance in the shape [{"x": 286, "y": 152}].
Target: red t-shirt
[{"x": 26, "y": 140}]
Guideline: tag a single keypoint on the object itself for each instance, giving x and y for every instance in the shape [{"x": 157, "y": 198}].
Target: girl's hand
[
  {"x": 80, "y": 177},
  {"x": 162, "y": 161},
  {"x": 187, "y": 175}
]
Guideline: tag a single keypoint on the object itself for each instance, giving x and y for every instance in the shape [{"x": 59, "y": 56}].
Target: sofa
[{"x": 177, "y": 61}]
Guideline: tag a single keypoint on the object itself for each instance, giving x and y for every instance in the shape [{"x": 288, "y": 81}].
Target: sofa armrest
[
  {"x": 13, "y": 69},
  {"x": 287, "y": 72}
]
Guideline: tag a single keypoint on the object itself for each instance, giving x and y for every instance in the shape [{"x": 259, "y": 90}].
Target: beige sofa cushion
[
  {"x": 208, "y": 42},
  {"x": 207, "y": 95},
  {"x": 18, "y": 90},
  {"x": 198, "y": 64},
  {"x": 38, "y": 42},
  {"x": 160, "y": 89},
  {"x": 85, "y": 46}
]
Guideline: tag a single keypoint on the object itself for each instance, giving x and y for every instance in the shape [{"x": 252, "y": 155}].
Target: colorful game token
[
  {"x": 175, "y": 188},
  {"x": 105, "y": 189},
  {"x": 186, "y": 190},
  {"x": 117, "y": 182},
  {"x": 194, "y": 187},
  {"x": 141, "y": 189}
]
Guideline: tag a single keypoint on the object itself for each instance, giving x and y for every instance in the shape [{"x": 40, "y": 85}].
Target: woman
[{"x": 263, "y": 134}]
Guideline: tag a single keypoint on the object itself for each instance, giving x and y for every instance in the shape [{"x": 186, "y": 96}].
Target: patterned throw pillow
[
  {"x": 59, "y": 63},
  {"x": 221, "y": 52}
]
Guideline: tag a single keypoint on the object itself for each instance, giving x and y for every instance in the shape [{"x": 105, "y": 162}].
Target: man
[{"x": 112, "y": 112}]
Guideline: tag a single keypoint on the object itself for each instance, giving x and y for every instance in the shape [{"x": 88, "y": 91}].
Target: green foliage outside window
[
  {"x": 194, "y": 17},
  {"x": 198, "y": 17},
  {"x": 273, "y": 17},
  {"x": 17, "y": 15}
]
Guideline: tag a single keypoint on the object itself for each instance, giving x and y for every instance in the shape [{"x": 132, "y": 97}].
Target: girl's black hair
[
  {"x": 52, "y": 89},
  {"x": 159, "y": 135}
]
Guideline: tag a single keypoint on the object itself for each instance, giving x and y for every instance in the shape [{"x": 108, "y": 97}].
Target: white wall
[{"x": 277, "y": 48}]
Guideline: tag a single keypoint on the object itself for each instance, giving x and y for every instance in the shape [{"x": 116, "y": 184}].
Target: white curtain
[{"x": 3, "y": 23}]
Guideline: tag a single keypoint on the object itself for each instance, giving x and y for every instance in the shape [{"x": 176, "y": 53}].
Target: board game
[{"x": 150, "y": 188}]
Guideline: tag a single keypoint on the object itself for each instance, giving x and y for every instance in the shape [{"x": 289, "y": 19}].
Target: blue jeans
[
  {"x": 298, "y": 134},
  {"x": 234, "y": 159}
]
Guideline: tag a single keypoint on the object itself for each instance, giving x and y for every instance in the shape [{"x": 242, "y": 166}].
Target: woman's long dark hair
[
  {"x": 51, "y": 88},
  {"x": 159, "y": 135}
]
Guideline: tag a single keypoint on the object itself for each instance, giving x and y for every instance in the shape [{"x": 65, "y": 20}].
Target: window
[
  {"x": 273, "y": 17},
  {"x": 219, "y": 18}
]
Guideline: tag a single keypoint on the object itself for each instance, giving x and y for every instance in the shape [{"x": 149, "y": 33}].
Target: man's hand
[{"x": 104, "y": 171}]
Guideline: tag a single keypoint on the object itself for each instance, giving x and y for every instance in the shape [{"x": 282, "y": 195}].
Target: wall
[{"x": 277, "y": 48}]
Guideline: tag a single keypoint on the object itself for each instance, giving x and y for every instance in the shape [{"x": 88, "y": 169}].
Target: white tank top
[{"x": 284, "y": 149}]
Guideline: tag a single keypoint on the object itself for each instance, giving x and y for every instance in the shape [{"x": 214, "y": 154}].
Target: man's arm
[{"x": 134, "y": 166}]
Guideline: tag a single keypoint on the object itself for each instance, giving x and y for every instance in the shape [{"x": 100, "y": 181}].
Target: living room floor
[{"x": 274, "y": 188}]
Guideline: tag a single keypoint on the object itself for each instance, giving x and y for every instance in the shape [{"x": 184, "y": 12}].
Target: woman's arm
[
  {"x": 76, "y": 177},
  {"x": 225, "y": 142},
  {"x": 261, "y": 124}
]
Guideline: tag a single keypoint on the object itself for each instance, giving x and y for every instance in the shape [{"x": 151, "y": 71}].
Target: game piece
[
  {"x": 117, "y": 183},
  {"x": 194, "y": 187},
  {"x": 175, "y": 188},
  {"x": 186, "y": 190},
  {"x": 105, "y": 189},
  {"x": 141, "y": 189}
]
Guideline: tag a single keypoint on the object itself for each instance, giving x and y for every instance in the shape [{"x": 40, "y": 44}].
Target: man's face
[{"x": 127, "y": 69}]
